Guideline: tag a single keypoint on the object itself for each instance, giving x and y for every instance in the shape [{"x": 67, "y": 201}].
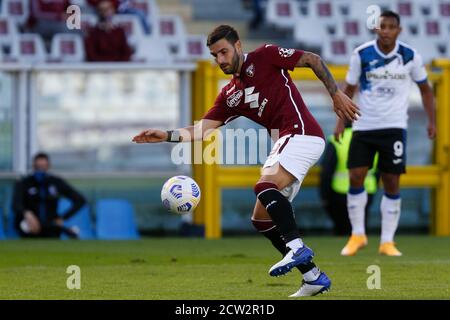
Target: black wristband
[
  {"x": 169, "y": 135},
  {"x": 173, "y": 136}
]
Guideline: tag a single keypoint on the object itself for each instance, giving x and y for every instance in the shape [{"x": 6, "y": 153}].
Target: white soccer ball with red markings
[{"x": 180, "y": 194}]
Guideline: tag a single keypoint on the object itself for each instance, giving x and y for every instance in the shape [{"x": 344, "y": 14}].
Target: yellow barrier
[{"x": 213, "y": 178}]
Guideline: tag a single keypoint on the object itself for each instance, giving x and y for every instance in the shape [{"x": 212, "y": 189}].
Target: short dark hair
[
  {"x": 391, "y": 14},
  {"x": 223, "y": 32},
  {"x": 41, "y": 155}
]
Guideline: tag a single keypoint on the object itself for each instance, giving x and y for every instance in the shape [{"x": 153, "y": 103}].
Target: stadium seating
[
  {"x": 196, "y": 47},
  {"x": 67, "y": 47},
  {"x": 322, "y": 18},
  {"x": 340, "y": 24},
  {"x": 150, "y": 8},
  {"x": 28, "y": 47},
  {"x": 173, "y": 33},
  {"x": 115, "y": 220},
  {"x": 338, "y": 50},
  {"x": 282, "y": 13},
  {"x": 8, "y": 31},
  {"x": 17, "y": 10},
  {"x": 168, "y": 34},
  {"x": 146, "y": 51},
  {"x": 132, "y": 26},
  {"x": 82, "y": 220}
]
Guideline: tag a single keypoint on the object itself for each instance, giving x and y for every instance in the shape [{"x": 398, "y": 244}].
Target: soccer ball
[{"x": 180, "y": 194}]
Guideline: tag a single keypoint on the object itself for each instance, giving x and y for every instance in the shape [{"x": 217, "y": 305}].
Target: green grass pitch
[{"x": 230, "y": 268}]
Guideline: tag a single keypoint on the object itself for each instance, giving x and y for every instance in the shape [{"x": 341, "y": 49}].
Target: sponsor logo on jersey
[
  {"x": 397, "y": 161},
  {"x": 285, "y": 53},
  {"x": 250, "y": 71},
  {"x": 235, "y": 99},
  {"x": 385, "y": 76}
]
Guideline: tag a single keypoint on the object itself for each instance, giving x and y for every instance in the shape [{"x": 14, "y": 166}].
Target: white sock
[
  {"x": 356, "y": 206},
  {"x": 390, "y": 215},
  {"x": 295, "y": 244},
  {"x": 312, "y": 274}
]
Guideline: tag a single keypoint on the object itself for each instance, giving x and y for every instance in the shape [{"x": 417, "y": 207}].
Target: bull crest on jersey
[{"x": 250, "y": 71}]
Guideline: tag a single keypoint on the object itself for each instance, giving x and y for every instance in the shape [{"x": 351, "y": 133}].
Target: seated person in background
[
  {"x": 48, "y": 17},
  {"x": 106, "y": 42},
  {"x": 35, "y": 202},
  {"x": 126, "y": 7}
]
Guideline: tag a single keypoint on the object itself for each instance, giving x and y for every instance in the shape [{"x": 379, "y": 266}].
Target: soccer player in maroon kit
[{"x": 262, "y": 90}]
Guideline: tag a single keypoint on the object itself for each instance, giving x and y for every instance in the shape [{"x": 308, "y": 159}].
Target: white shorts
[{"x": 295, "y": 153}]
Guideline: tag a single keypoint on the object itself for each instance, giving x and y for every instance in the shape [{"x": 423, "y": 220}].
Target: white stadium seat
[
  {"x": 282, "y": 13},
  {"x": 28, "y": 47},
  {"x": 17, "y": 10},
  {"x": 359, "y": 8},
  {"x": 67, "y": 47},
  {"x": 152, "y": 50},
  {"x": 354, "y": 29},
  {"x": 173, "y": 33},
  {"x": 151, "y": 10},
  {"x": 196, "y": 47},
  {"x": 171, "y": 26},
  {"x": 337, "y": 50},
  {"x": 132, "y": 26},
  {"x": 8, "y": 31},
  {"x": 322, "y": 29}
]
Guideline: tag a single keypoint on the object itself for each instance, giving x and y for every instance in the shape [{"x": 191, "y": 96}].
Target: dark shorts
[{"x": 390, "y": 145}]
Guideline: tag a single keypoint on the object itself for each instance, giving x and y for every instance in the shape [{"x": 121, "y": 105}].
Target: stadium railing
[{"x": 213, "y": 178}]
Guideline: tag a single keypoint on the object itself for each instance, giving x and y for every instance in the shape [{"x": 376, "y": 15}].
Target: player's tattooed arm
[
  {"x": 342, "y": 104},
  {"x": 313, "y": 61}
]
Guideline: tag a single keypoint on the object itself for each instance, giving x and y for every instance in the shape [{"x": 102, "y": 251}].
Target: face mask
[{"x": 40, "y": 175}]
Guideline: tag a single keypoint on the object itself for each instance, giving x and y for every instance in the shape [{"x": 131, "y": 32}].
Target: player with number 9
[{"x": 384, "y": 69}]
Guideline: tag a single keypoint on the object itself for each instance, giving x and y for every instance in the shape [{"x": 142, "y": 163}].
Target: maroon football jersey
[{"x": 265, "y": 93}]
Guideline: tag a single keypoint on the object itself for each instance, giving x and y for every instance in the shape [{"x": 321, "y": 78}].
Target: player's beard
[{"x": 234, "y": 64}]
